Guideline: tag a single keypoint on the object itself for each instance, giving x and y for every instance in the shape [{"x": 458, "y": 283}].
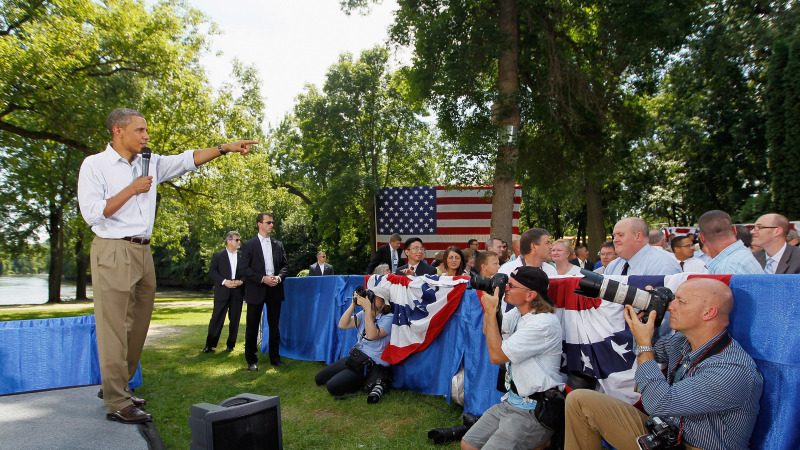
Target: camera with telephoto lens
[
  {"x": 596, "y": 286},
  {"x": 487, "y": 284},
  {"x": 444, "y": 435},
  {"x": 376, "y": 393},
  {"x": 361, "y": 291},
  {"x": 663, "y": 436}
]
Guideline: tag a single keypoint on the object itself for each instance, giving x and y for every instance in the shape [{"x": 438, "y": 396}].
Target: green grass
[{"x": 177, "y": 375}]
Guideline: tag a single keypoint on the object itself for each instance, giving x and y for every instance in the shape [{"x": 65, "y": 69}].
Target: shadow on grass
[{"x": 177, "y": 375}]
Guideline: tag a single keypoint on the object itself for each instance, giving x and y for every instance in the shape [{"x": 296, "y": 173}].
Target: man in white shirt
[
  {"x": 387, "y": 254},
  {"x": 529, "y": 344},
  {"x": 227, "y": 274},
  {"x": 683, "y": 249},
  {"x": 535, "y": 246},
  {"x": 606, "y": 254},
  {"x": 635, "y": 255},
  {"x": 118, "y": 201},
  {"x": 778, "y": 256}
]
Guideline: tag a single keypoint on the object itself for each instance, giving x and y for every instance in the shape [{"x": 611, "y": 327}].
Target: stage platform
[{"x": 68, "y": 419}]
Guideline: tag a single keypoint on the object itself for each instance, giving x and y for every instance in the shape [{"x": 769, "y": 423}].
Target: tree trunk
[
  {"x": 56, "y": 266},
  {"x": 507, "y": 115},
  {"x": 594, "y": 217},
  {"x": 81, "y": 266}
]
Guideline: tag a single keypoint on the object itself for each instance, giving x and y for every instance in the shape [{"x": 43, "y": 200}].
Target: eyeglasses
[
  {"x": 416, "y": 249},
  {"x": 509, "y": 287},
  {"x": 268, "y": 222},
  {"x": 762, "y": 227}
]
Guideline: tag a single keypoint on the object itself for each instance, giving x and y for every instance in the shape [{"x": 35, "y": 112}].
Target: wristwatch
[
  {"x": 638, "y": 350},
  {"x": 221, "y": 151}
]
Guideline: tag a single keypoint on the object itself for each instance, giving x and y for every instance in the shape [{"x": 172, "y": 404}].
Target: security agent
[
  {"x": 709, "y": 395},
  {"x": 530, "y": 347}
]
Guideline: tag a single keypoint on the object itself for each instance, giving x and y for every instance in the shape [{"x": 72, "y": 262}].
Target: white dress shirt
[
  {"x": 266, "y": 248},
  {"x": 772, "y": 261},
  {"x": 105, "y": 174},
  {"x": 233, "y": 260}
]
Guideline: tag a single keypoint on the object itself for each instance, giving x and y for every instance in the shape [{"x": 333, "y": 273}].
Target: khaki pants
[
  {"x": 124, "y": 285},
  {"x": 591, "y": 415}
]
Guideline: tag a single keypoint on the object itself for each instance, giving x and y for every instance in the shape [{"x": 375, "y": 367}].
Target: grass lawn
[{"x": 177, "y": 375}]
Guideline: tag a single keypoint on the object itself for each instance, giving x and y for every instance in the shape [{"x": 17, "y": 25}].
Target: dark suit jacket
[
  {"x": 382, "y": 256},
  {"x": 589, "y": 264},
  {"x": 313, "y": 270},
  {"x": 789, "y": 263},
  {"x": 220, "y": 271},
  {"x": 423, "y": 268},
  {"x": 253, "y": 263}
]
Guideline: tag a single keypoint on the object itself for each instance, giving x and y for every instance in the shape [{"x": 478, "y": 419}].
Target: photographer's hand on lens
[{"x": 642, "y": 331}]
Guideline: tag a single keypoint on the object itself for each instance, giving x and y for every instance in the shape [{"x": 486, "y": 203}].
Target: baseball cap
[{"x": 534, "y": 279}]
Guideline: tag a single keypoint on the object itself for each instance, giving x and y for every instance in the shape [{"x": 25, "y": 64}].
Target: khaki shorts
[{"x": 506, "y": 427}]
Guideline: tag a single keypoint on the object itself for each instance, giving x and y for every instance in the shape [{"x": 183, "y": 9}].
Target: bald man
[
  {"x": 777, "y": 255},
  {"x": 635, "y": 255},
  {"x": 712, "y": 385}
]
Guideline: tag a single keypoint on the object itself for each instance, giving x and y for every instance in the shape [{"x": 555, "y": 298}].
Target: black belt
[{"x": 137, "y": 240}]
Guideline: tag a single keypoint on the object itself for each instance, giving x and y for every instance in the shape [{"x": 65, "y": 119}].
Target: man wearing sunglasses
[
  {"x": 529, "y": 344},
  {"x": 227, "y": 273},
  {"x": 265, "y": 268}
]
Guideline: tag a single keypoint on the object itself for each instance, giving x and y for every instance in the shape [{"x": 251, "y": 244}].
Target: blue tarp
[
  {"x": 763, "y": 321},
  {"x": 49, "y": 353}
]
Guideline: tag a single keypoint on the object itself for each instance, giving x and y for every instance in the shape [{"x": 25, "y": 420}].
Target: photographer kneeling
[
  {"x": 707, "y": 399},
  {"x": 363, "y": 367},
  {"x": 530, "y": 347}
]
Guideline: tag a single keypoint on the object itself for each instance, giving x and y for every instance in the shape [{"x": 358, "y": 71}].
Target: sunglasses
[
  {"x": 268, "y": 222},
  {"x": 236, "y": 240}
]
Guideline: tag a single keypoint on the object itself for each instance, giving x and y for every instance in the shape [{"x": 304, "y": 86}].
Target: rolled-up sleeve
[
  {"x": 91, "y": 194},
  {"x": 171, "y": 166}
]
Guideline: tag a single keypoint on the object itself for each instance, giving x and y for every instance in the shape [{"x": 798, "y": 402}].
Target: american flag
[{"x": 440, "y": 216}]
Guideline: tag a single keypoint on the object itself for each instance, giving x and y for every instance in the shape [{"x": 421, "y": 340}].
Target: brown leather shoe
[
  {"x": 130, "y": 414},
  {"x": 137, "y": 401}
]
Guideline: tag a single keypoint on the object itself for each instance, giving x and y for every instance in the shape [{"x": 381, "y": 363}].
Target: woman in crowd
[
  {"x": 453, "y": 262},
  {"x": 560, "y": 253},
  {"x": 363, "y": 367},
  {"x": 469, "y": 258}
]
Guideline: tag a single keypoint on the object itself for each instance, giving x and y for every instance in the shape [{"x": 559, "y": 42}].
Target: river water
[{"x": 32, "y": 290}]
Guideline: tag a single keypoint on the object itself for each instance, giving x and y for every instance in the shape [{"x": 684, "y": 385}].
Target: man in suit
[
  {"x": 415, "y": 252},
  {"x": 227, "y": 272},
  {"x": 582, "y": 258},
  {"x": 387, "y": 254},
  {"x": 778, "y": 256},
  {"x": 265, "y": 268},
  {"x": 321, "y": 267}
]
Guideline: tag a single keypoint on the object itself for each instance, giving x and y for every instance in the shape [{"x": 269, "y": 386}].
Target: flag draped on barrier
[{"x": 421, "y": 307}]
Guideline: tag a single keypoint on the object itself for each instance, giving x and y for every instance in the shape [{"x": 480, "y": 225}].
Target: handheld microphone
[{"x": 146, "y": 152}]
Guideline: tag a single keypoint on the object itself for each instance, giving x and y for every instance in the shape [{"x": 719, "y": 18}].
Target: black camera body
[
  {"x": 361, "y": 291},
  {"x": 663, "y": 436},
  {"x": 488, "y": 284},
  {"x": 597, "y": 286}
]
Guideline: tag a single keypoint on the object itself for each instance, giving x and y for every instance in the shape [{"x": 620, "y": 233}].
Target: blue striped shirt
[
  {"x": 718, "y": 398},
  {"x": 735, "y": 259}
]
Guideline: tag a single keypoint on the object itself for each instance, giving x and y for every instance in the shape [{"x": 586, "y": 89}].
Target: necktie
[
  {"x": 414, "y": 269},
  {"x": 394, "y": 260},
  {"x": 266, "y": 246},
  {"x": 682, "y": 266},
  {"x": 625, "y": 269},
  {"x": 770, "y": 266}
]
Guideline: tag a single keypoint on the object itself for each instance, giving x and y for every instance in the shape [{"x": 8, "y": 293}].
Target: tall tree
[{"x": 359, "y": 133}]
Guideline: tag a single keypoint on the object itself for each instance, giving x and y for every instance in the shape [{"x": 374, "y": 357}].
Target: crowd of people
[{"x": 706, "y": 396}]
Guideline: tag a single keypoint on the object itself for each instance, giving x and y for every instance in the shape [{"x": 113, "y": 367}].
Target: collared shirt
[
  {"x": 718, "y": 398},
  {"x": 776, "y": 258},
  {"x": 105, "y": 174},
  {"x": 735, "y": 259},
  {"x": 533, "y": 345},
  {"x": 509, "y": 267},
  {"x": 374, "y": 348},
  {"x": 233, "y": 260},
  {"x": 266, "y": 249},
  {"x": 647, "y": 261},
  {"x": 693, "y": 265},
  {"x": 394, "y": 257}
]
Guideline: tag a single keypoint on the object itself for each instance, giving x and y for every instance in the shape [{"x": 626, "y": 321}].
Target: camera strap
[{"x": 717, "y": 347}]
